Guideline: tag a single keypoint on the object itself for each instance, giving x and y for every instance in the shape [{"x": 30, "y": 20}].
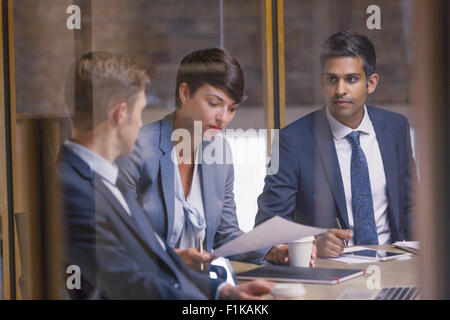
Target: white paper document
[
  {"x": 354, "y": 248},
  {"x": 411, "y": 246},
  {"x": 351, "y": 260},
  {"x": 357, "y": 260},
  {"x": 277, "y": 230}
]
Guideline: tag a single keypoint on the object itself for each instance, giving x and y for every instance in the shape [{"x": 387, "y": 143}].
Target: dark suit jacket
[
  {"x": 117, "y": 259},
  {"x": 308, "y": 187},
  {"x": 149, "y": 171}
]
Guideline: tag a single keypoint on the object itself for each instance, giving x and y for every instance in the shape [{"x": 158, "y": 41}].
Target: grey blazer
[{"x": 149, "y": 171}]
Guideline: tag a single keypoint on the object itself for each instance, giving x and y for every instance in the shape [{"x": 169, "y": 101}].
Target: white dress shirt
[{"x": 369, "y": 144}]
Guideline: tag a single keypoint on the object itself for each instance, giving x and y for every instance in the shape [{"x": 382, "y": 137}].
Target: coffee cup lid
[
  {"x": 306, "y": 239},
  {"x": 288, "y": 290}
]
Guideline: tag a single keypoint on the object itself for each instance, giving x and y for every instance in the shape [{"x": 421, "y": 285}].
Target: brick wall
[
  {"x": 309, "y": 22},
  {"x": 158, "y": 33}
]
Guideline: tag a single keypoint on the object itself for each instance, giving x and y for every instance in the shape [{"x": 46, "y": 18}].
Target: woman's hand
[{"x": 194, "y": 259}]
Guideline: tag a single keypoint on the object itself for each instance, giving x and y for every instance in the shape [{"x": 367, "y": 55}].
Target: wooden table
[{"x": 392, "y": 273}]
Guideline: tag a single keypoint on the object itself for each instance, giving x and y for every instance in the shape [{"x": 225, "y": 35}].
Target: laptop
[{"x": 388, "y": 293}]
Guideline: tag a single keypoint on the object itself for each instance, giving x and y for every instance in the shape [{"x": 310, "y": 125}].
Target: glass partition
[{"x": 49, "y": 36}]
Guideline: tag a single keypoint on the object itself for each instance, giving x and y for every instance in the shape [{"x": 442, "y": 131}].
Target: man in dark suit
[
  {"x": 346, "y": 164},
  {"x": 108, "y": 236}
]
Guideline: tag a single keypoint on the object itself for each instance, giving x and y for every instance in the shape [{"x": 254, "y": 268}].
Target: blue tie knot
[{"x": 354, "y": 137}]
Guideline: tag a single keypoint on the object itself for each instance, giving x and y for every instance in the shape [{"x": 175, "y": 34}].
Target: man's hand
[
  {"x": 312, "y": 262},
  {"x": 331, "y": 244},
  {"x": 193, "y": 258},
  {"x": 253, "y": 290},
  {"x": 279, "y": 254}
]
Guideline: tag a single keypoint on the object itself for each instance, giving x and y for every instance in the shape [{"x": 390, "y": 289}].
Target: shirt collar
[
  {"x": 340, "y": 131},
  {"x": 100, "y": 165}
]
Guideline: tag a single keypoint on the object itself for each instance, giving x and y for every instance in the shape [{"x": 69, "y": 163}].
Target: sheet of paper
[
  {"x": 349, "y": 260},
  {"x": 356, "y": 260},
  {"x": 355, "y": 248},
  {"x": 352, "y": 260},
  {"x": 274, "y": 231},
  {"x": 408, "y": 244}
]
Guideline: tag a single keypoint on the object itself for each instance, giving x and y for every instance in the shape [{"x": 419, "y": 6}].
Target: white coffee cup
[
  {"x": 288, "y": 291},
  {"x": 300, "y": 251}
]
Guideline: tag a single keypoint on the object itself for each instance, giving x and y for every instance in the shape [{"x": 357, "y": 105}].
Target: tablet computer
[{"x": 376, "y": 255}]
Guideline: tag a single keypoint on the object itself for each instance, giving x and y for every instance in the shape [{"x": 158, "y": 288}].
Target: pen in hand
[{"x": 340, "y": 228}]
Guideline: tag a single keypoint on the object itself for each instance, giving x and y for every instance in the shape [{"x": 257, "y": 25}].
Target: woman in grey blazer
[{"x": 189, "y": 198}]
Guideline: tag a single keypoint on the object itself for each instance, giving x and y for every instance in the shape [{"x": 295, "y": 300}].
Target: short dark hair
[
  {"x": 97, "y": 81},
  {"x": 350, "y": 44},
  {"x": 213, "y": 66}
]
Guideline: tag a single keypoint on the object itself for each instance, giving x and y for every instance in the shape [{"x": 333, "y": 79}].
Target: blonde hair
[{"x": 97, "y": 82}]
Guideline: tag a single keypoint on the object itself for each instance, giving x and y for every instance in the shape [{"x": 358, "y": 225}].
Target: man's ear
[
  {"x": 183, "y": 92},
  {"x": 118, "y": 113},
  {"x": 372, "y": 83}
]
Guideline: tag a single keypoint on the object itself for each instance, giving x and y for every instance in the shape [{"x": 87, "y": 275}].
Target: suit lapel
[
  {"x": 207, "y": 172},
  {"x": 327, "y": 151},
  {"x": 119, "y": 209},
  {"x": 167, "y": 171},
  {"x": 387, "y": 149},
  {"x": 71, "y": 158},
  {"x": 95, "y": 181},
  {"x": 148, "y": 236}
]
